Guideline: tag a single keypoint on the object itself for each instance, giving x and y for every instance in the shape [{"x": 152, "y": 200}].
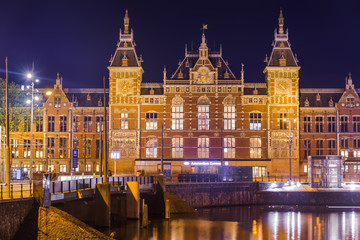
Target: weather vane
[{"x": 204, "y": 27}]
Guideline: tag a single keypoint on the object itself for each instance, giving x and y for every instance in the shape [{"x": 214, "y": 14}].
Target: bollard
[
  {"x": 167, "y": 209},
  {"x": 145, "y": 219},
  {"x": 21, "y": 191}
]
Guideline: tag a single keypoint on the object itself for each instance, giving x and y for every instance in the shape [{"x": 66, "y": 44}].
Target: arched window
[
  {"x": 203, "y": 113},
  {"x": 177, "y": 113}
]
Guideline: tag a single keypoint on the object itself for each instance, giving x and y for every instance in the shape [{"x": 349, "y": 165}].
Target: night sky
[{"x": 76, "y": 38}]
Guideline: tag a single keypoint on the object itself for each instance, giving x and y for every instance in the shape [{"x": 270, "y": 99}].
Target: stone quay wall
[
  {"x": 12, "y": 214},
  {"x": 214, "y": 194}
]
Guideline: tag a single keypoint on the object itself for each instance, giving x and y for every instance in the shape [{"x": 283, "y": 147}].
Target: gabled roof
[{"x": 325, "y": 95}]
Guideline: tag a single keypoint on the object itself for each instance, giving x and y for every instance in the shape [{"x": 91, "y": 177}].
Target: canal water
[{"x": 242, "y": 222}]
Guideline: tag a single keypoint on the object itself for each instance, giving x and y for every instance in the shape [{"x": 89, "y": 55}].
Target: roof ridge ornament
[
  {"x": 281, "y": 23},
  {"x": 349, "y": 82}
]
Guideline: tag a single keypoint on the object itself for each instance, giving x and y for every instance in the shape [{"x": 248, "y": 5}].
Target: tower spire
[
  {"x": 281, "y": 23},
  {"x": 126, "y": 23}
]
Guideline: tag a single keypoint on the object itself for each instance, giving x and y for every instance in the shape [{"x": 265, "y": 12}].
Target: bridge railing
[
  {"x": 16, "y": 190},
  {"x": 90, "y": 183}
]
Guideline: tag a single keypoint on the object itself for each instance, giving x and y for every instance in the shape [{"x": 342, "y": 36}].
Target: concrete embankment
[
  {"x": 13, "y": 213},
  {"x": 56, "y": 224}
]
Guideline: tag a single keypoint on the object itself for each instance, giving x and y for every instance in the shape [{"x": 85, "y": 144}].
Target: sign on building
[{"x": 75, "y": 158}]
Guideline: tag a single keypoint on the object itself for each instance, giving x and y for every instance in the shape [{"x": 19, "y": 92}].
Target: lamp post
[
  {"x": 30, "y": 77},
  {"x": 290, "y": 142}
]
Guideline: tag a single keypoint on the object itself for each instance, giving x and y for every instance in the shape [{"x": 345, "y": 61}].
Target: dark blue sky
[{"x": 76, "y": 38}]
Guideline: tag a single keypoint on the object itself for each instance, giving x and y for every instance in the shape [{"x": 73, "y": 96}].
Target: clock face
[
  {"x": 203, "y": 78},
  {"x": 124, "y": 88},
  {"x": 282, "y": 87}
]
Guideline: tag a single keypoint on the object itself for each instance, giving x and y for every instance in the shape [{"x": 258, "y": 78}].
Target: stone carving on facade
[{"x": 203, "y": 100}]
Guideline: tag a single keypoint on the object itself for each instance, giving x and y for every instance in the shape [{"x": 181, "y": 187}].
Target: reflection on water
[{"x": 249, "y": 223}]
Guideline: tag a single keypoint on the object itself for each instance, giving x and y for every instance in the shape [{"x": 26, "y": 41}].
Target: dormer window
[
  {"x": 88, "y": 97},
  {"x": 226, "y": 75},
  {"x": 218, "y": 64},
  {"x": 306, "y": 102},
  {"x": 151, "y": 91},
  {"x": 187, "y": 64},
  {"x": 57, "y": 102},
  {"x": 282, "y": 62},
  {"x": 124, "y": 61},
  {"x": 282, "y": 45},
  {"x": 331, "y": 103},
  {"x": 125, "y": 45},
  {"x": 99, "y": 103},
  {"x": 255, "y": 92},
  {"x": 318, "y": 97},
  {"x": 350, "y": 102},
  {"x": 180, "y": 75}
]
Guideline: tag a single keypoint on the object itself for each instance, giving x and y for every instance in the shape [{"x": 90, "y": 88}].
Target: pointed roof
[
  {"x": 126, "y": 48},
  {"x": 281, "y": 54}
]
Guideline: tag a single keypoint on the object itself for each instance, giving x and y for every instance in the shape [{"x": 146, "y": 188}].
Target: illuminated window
[
  {"x": 38, "y": 148},
  {"x": 151, "y": 121},
  {"x": 203, "y": 117},
  {"x": 305, "y": 169},
  {"x": 76, "y": 123},
  {"x": 124, "y": 121},
  {"x": 51, "y": 146},
  {"x": 229, "y": 117},
  {"x": 282, "y": 122},
  {"x": 26, "y": 148},
  {"x": 229, "y": 147},
  {"x": 99, "y": 124},
  {"x": 39, "y": 123},
  {"x": 97, "y": 168},
  {"x": 88, "y": 167},
  {"x": 255, "y": 121},
  {"x": 124, "y": 61},
  {"x": 346, "y": 168},
  {"x": 357, "y": 154},
  {"x": 177, "y": 147},
  {"x": 51, "y": 168},
  {"x": 14, "y": 148},
  {"x": 177, "y": 117},
  {"x": 259, "y": 171},
  {"x": 283, "y": 62},
  {"x": 344, "y": 153},
  {"x": 63, "y": 148},
  {"x": 62, "y": 168},
  {"x": 151, "y": 147},
  {"x": 57, "y": 103},
  {"x": 255, "y": 147},
  {"x": 87, "y": 148},
  {"x": 203, "y": 147}
]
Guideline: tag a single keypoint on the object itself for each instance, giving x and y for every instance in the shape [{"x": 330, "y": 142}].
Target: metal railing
[
  {"x": 16, "y": 190},
  {"x": 90, "y": 183}
]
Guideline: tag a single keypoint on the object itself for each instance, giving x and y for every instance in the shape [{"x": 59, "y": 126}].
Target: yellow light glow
[{"x": 48, "y": 93}]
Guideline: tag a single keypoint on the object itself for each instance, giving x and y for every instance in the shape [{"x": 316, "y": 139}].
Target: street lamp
[
  {"x": 290, "y": 142},
  {"x": 30, "y": 77}
]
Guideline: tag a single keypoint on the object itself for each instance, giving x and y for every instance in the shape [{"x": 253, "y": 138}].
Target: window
[
  {"x": 27, "y": 124},
  {"x": 229, "y": 117},
  {"x": 99, "y": 124},
  {"x": 151, "y": 121},
  {"x": 307, "y": 148},
  {"x": 356, "y": 142},
  {"x": 62, "y": 168},
  {"x": 57, "y": 102},
  {"x": 255, "y": 121},
  {"x": 27, "y": 148},
  {"x": 357, "y": 154},
  {"x": 124, "y": 121},
  {"x": 62, "y": 148},
  {"x": 87, "y": 148},
  {"x": 344, "y": 143},
  {"x": 307, "y": 124},
  {"x": 76, "y": 144},
  {"x": 51, "y": 145},
  {"x": 63, "y": 123},
  {"x": 203, "y": 147},
  {"x": 177, "y": 147},
  {"x": 88, "y": 167},
  {"x": 151, "y": 147},
  {"x": 97, "y": 168},
  {"x": 51, "y": 168},
  {"x": 203, "y": 117},
  {"x": 332, "y": 147},
  {"x": 87, "y": 124},
  {"x": 331, "y": 124},
  {"x": 14, "y": 148},
  {"x": 229, "y": 147},
  {"x": 255, "y": 147},
  {"x": 97, "y": 152},
  {"x": 319, "y": 125},
  {"x": 356, "y": 124},
  {"x": 344, "y": 124},
  {"x": 76, "y": 123},
  {"x": 344, "y": 153},
  {"x": 350, "y": 102},
  {"x": 39, "y": 123},
  {"x": 259, "y": 171},
  {"x": 177, "y": 117},
  {"x": 38, "y": 148},
  {"x": 51, "y": 123},
  {"x": 282, "y": 122},
  {"x": 319, "y": 147}
]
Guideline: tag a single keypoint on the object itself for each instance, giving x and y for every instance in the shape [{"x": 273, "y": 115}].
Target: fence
[
  {"x": 90, "y": 183},
  {"x": 16, "y": 190}
]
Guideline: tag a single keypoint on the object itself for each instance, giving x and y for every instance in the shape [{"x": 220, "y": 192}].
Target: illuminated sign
[
  {"x": 115, "y": 155},
  {"x": 202, "y": 163}
]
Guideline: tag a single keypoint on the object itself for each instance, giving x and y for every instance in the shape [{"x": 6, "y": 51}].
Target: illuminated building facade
[{"x": 199, "y": 117}]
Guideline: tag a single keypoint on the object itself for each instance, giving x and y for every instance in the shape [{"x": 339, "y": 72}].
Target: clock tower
[
  {"x": 282, "y": 78},
  {"x": 125, "y": 77}
]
